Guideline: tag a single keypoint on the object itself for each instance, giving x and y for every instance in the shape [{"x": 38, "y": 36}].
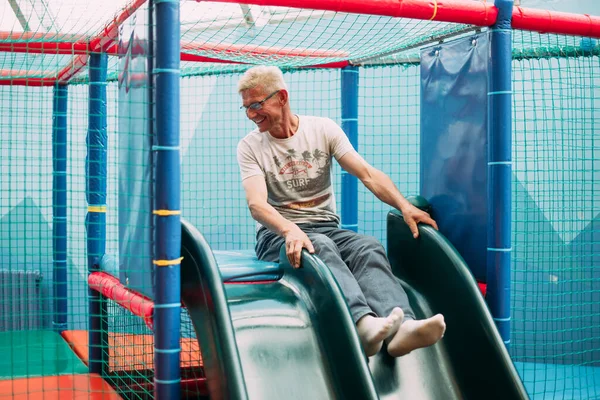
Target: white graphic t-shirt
[{"x": 297, "y": 170}]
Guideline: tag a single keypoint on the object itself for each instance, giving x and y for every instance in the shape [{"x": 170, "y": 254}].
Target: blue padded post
[
  {"x": 167, "y": 232},
  {"x": 500, "y": 169},
  {"x": 350, "y": 127},
  {"x": 96, "y": 197},
  {"x": 59, "y": 206}
]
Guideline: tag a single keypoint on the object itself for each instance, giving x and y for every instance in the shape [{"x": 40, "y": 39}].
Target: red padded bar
[
  {"x": 111, "y": 288},
  {"x": 101, "y": 42},
  {"x": 545, "y": 21},
  {"x": 459, "y": 11},
  {"x": 28, "y": 82}
]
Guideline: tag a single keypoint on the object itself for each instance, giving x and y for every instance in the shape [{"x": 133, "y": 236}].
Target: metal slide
[
  {"x": 272, "y": 332},
  {"x": 471, "y": 361}
]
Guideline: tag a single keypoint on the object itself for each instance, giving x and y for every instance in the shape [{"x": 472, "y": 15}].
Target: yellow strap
[
  {"x": 166, "y": 263},
  {"x": 435, "y": 8},
  {"x": 166, "y": 213},
  {"x": 97, "y": 209}
]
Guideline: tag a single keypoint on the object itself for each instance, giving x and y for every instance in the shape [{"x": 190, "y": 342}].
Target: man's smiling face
[{"x": 270, "y": 112}]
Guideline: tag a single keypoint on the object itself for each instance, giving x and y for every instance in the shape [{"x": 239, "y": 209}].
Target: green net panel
[
  {"x": 297, "y": 37},
  {"x": 389, "y": 136},
  {"x": 25, "y": 208},
  {"x": 556, "y": 231},
  {"x": 213, "y": 31}
]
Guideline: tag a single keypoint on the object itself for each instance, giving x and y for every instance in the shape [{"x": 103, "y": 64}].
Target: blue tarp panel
[
  {"x": 135, "y": 167},
  {"x": 454, "y": 143}
]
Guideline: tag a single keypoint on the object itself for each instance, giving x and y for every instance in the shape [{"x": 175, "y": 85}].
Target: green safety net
[{"x": 556, "y": 215}]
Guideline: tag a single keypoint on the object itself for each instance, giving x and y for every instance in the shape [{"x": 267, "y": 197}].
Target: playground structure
[{"x": 112, "y": 131}]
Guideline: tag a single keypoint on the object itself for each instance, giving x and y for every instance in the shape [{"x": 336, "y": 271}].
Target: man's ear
[{"x": 283, "y": 97}]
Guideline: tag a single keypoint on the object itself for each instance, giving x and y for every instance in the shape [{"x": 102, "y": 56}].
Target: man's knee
[
  {"x": 321, "y": 243},
  {"x": 369, "y": 243}
]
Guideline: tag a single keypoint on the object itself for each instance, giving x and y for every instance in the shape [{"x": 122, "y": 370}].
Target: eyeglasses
[{"x": 258, "y": 105}]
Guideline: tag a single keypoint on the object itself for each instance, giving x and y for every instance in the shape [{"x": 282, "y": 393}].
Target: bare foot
[
  {"x": 414, "y": 335},
  {"x": 373, "y": 331}
]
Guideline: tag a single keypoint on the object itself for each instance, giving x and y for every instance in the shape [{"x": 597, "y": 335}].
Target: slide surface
[
  {"x": 272, "y": 332},
  {"x": 471, "y": 361}
]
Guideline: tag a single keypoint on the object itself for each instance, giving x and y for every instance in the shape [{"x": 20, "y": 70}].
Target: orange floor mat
[
  {"x": 129, "y": 352},
  {"x": 63, "y": 387}
]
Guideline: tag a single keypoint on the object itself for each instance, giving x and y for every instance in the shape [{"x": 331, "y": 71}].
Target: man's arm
[
  {"x": 382, "y": 186},
  {"x": 295, "y": 239}
]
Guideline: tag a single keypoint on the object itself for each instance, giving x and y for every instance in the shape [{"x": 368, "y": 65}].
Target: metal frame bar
[
  {"x": 349, "y": 95},
  {"x": 499, "y": 171},
  {"x": 59, "y": 207},
  {"x": 166, "y": 194},
  {"x": 96, "y": 167}
]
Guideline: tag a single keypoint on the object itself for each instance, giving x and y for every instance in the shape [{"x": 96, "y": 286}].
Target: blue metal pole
[
  {"x": 96, "y": 197},
  {"x": 167, "y": 224},
  {"x": 500, "y": 169},
  {"x": 59, "y": 206},
  {"x": 350, "y": 127}
]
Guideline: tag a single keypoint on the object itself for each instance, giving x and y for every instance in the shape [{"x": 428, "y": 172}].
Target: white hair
[{"x": 269, "y": 78}]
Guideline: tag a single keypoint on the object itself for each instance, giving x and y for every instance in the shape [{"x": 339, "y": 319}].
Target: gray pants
[{"x": 358, "y": 263}]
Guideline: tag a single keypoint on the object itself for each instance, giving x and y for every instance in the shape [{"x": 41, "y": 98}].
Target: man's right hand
[
  {"x": 264, "y": 213},
  {"x": 295, "y": 241}
]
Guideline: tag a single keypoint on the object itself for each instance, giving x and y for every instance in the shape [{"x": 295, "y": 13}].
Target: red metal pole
[
  {"x": 82, "y": 48},
  {"x": 112, "y": 289},
  {"x": 259, "y": 51},
  {"x": 102, "y": 41},
  {"x": 18, "y": 73},
  {"x": 28, "y": 82},
  {"x": 196, "y": 58},
  {"x": 43, "y": 36},
  {"x": 459, "y": 11},
  {"x": 45, "y": 47},
  {"x": 337, "y": 64},
  {"x": 74, "y": 67},
  {"x": 545, "y": 21},
  {"x": 110, "y": 33},
  {"x": 40, "y": 43},
  {"x": 49, "y": 43}
]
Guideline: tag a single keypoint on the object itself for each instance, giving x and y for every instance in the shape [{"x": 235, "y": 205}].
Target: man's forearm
[
  {"x": 269, "y": 217},
  {"x": 384, "y": 189}
]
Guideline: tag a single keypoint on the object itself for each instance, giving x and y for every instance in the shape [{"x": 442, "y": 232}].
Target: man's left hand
[{"x": 413, "y": 216}]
